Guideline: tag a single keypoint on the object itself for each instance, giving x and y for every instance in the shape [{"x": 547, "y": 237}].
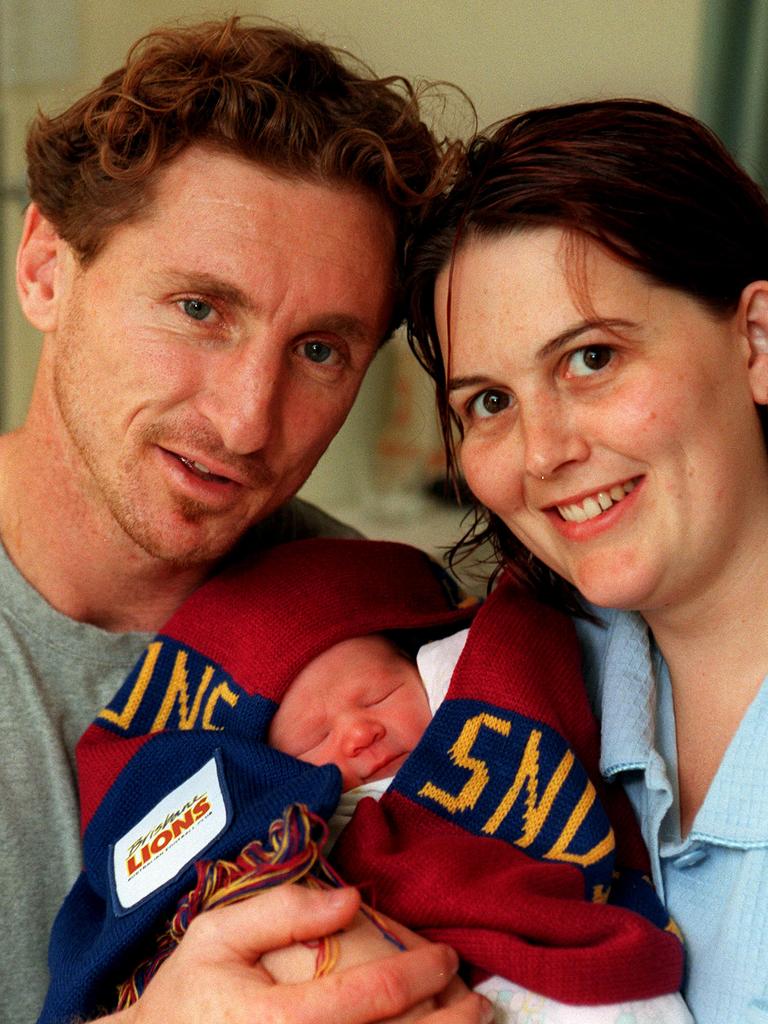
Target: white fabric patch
[
  {"x": 170, "y": 837},
  {"x": 348, "y": 802},
  {"x": 436, "y": 662}
]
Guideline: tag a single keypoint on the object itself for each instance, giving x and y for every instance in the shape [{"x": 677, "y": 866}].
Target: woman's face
[{"x": 613, "y": 429}]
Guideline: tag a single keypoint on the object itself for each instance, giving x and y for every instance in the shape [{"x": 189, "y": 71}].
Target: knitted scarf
[
  {"x": 498, "y": 834},
  {"x": 176, "y": 767}
]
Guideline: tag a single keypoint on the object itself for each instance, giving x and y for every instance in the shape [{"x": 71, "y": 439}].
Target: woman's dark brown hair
[{"x": 653, "y": 186}]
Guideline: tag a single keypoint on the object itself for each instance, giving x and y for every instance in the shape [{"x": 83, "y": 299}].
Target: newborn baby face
[{"x": 359, "y": 705}]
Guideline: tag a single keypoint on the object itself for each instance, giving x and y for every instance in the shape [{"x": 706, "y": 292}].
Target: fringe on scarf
[{"x": 292, "y": 853}]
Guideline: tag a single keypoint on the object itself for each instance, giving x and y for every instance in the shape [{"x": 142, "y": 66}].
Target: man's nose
[
  {"x": 553, "y": 436},
  {"x": 242, "y": 396}
]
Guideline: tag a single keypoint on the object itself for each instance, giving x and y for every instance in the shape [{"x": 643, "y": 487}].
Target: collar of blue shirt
[{"x": 619, "y": 668}]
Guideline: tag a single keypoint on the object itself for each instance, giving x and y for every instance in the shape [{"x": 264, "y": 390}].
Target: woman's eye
[
  {"x": 489, "y": 403},
  {"x": 196, "y": 308},
  {"x": 584, "y": 361}
]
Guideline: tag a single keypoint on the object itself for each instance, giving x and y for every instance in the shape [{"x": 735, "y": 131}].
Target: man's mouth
[
  {"x": 200, "y": 470},
  {"x": 595, "y": 504},
  {"x": 234, "y": 471}
]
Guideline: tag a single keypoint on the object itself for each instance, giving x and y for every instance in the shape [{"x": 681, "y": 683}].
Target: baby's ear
[
  {"x": 37, "y": 261},
  {"x": 754, "y": 311}
]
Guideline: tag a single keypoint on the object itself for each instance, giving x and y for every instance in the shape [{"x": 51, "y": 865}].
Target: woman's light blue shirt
[{"x": 715, "y": 882}]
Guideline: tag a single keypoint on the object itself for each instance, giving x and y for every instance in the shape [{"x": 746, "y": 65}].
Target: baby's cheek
[{"x": 417, "y": 721}]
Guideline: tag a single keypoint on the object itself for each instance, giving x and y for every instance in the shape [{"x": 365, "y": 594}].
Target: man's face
[{"x": 205, "y": 359}]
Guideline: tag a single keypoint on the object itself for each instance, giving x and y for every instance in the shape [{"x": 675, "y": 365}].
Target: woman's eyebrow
[
  {"x": 457, "y": 383},
  {"x": 553, "y": 346},
  {"x": 549, "y": 348}
]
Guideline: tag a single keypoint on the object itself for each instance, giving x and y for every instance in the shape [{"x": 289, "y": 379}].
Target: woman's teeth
[{"x": 595, "y": 504}]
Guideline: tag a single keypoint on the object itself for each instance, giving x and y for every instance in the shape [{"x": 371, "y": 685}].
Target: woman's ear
[
  {"x": 37, "y": 261},
  {"x": 754, "y": 314}
]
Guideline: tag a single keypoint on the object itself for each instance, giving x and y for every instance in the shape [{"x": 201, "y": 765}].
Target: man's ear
[
  {"x": 37, "y": 262},
  {"x": 753, "y": 309}
]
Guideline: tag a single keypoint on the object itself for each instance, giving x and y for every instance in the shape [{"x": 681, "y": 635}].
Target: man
[{"x": 211, "y": 254}]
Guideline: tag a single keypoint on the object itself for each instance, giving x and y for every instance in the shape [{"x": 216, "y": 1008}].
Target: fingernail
[
  {"x": 454, "y": 964},
  {"x": 339, "y": 897}
]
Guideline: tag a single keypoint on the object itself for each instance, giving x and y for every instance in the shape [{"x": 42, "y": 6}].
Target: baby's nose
[{"x": 362, "y": 732}]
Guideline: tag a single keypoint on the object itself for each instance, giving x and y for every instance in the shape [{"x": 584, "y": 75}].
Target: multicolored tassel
[{"x": 292, "y": 854}]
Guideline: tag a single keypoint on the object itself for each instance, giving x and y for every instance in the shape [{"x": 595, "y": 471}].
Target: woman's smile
[
  {"x": 606, "y": 427},
  {"x": 581, "y": 509}
]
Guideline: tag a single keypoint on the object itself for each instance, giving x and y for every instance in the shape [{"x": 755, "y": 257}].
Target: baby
[
  {"x": 360, "y": 705},
  {"x": 363, "y": 705},
  {"x": 495, "y": 834}
]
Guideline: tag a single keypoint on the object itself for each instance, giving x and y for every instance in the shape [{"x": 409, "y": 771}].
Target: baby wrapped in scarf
[{"x": 496, "y": 835}]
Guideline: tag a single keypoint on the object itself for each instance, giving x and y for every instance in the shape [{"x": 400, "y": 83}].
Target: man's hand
[{"x": 215, "y": 975}]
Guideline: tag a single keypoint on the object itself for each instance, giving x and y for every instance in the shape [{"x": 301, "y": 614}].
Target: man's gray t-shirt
[{"x": 55, "y": 676}]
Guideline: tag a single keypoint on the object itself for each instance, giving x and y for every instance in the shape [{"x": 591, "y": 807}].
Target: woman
[{"x": 591, "y": 302}]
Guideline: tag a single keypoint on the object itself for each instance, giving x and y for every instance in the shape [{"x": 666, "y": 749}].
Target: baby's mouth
[
  {"x": 386, "y": 767},
  {"x": 595, "y": 504}
]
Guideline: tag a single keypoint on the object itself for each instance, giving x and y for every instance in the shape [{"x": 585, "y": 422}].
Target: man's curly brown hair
[{"x": 263, "y": 92}]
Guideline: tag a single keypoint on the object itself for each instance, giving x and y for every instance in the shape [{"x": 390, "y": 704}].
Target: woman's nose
[{"x": 552, "y": 438}]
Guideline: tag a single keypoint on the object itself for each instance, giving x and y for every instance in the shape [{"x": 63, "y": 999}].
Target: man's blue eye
[
  {"x": 489, "y": 403},
  {"x": 318, "y": 351},
  {"x": 196, "y": 308}
]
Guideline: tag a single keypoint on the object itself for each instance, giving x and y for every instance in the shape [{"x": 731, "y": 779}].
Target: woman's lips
[{"x": 596, "y": 503}]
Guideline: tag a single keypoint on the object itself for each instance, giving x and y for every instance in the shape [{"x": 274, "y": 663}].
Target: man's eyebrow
[
  {"x": 208, "y": 284},
  {"x": 550, "y": 348},
  {"x": 352, "y": 328}
]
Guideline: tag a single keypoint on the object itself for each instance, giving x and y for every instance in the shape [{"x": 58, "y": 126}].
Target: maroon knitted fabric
[{"x": 499, "y": 836}]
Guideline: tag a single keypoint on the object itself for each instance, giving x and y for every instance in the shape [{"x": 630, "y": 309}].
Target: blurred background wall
[{"x": 506, "y": 54}]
